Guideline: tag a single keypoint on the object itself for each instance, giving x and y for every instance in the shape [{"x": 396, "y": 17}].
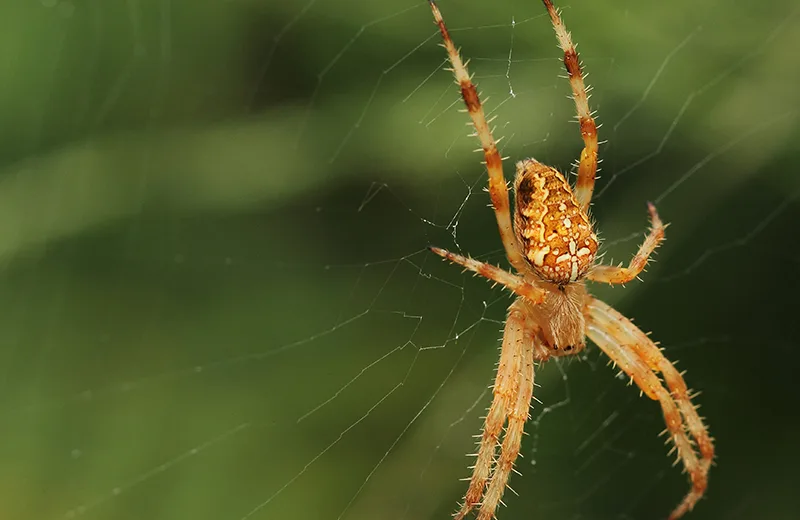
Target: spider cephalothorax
[
  {"x": 561, "y": 317},
  {"x": 552, "y": 247}
]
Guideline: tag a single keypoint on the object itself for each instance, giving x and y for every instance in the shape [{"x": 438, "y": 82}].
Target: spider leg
[
  {"x": 587, "y": 167},
  {"x": 515, "y": 283},
  {"x": 517, "y": 417},
  {"x": 618, "y": 275},
  {"x": 514, "y": 375},
  {"x": 498, "y": 191},
  {"x": 640, "y": 358}
]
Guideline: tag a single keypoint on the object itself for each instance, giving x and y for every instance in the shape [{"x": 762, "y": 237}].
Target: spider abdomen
[{"x": 555, "y": 234}]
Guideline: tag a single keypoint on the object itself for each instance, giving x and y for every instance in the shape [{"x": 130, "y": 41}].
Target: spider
[{"x": 552, "y": 247}]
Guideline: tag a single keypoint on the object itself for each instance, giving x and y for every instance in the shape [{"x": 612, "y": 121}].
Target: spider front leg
[
  {"x": 631, "y": 349},
  {"x": 512, "y": 393},
  {"x": 619, "y": 275},
  {"x": 517, "y": 417}
]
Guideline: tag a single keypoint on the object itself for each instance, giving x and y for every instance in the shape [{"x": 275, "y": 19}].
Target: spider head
[
  {"x": 554, "y": 233},
  {"x": 561, "y": 321}
]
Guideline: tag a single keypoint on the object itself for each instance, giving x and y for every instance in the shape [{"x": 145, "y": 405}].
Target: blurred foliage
[{"x": 213, "y": 220}]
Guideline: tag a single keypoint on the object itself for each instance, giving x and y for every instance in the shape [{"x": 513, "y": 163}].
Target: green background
[{"x": 213, "y": 221}]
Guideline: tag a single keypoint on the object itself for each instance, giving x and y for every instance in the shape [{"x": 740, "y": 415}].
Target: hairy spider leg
[
  {"x": 629, "y": 337},
  {"x": 618, "y": 275},
  {"x": 512, "y": 393},
  {"x": 498, "y": 190},
  {"x": 517, "y": 417},
  {"x": 514, "y": 283},
  {"x": 587, "y": 167},
  {"x": 631, "y": 349}
]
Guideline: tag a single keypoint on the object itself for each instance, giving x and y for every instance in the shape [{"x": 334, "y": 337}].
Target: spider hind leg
[
  {"x": 498, "y": 190},
  {"x": 587, "y": 165}
]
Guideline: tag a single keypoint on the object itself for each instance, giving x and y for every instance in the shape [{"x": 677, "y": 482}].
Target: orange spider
[{"x": 552, "y": 247}]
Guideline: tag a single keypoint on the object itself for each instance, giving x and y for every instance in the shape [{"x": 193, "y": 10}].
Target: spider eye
[{"x": 556, "y": 235}]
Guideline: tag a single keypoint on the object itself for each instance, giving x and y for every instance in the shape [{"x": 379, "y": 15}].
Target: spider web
[{"x": 217, "y": 298}]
